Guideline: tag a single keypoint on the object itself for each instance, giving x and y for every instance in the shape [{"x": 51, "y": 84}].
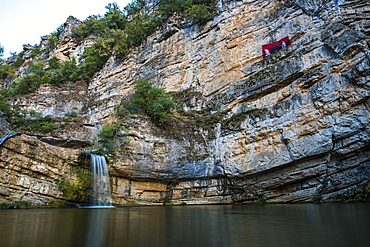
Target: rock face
[
  {"x": 299, "y": 123},
  {"x": 33, "y": 171},
  {"x": 293, "y": 127}
]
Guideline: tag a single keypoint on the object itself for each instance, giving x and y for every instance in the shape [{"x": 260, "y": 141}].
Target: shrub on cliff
[
  {"x": 37, "y": 68},
  {"x": 26, "y": 84},
  {"x": 18, "y": 61},
  {"x": 54, "y": 38},
  {"x": 168, "y": 7},
  {"x": 155, "y": 102},
  {"x": 32, "y": 81},
  {"x": 106, "y": 138},
  {"x": 114, "y": 17},
  {"x": 96, "y": 56},
  {"x": 7, "y": 111},
  {"x": 16, "y": 205},
  {"x": 63, "y": 72},
  {"x": 198, "y": 11},
  {"x": 112, "y": 138},
  {"x": 6, "y": 71},
  {"x": 93, "y": 25},
  {"x": 99, "y": 26},
  {"x": 139, "y": 28},
  {"x": 34, "y": 121},
  {"x": 134, "y": 7}
]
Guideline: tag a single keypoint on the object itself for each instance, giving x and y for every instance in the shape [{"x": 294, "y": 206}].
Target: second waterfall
[{"x": 101, "y": 195}]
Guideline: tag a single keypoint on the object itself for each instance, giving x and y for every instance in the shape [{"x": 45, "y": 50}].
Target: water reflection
[
  {"x": 238, "y": 225},
  {"x": 97, "y": 227}
]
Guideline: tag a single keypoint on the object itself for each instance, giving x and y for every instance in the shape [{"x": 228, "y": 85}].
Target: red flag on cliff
[{"x": 273, "y": 48}]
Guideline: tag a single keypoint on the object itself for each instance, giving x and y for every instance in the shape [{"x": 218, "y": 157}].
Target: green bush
[
  {"x": 23, "y": 119},
  {"x": 54, "y": 38},
  {"x": 36, "y": 123},
  {"x": 35, "y": 52},
  {"x": 134, "y": 7},
  {"x": 114, "y": 18},
  {"x": 79, "y": 189},
  {"x": 6, "y": 71},
  {"x": 71, "y": 114},
  {"x": 40, "y": 126},
  {"x": 198, "y": 11},
  {"x": 155, "y": 102},
  {"x": 106, "y": 137},
  {"x": 19, "y": 60},
  {"x": 31, "y": 82},
  {"x": 169, "y": 7},
  {"x": 139, "y": 28},
  {"x": 96, "y": 56},
  {"x": 66, "y": 71},
  {"x": 9, "y": 112},
  {"x": 115, "y": 33},
  {"x": 53, "y": 63},
  {"x": 37, "y": 68},
  {"x": 52, "y": 42},
  {"x": 56, "y": 73},
  {"x": 16, "y": 205},
  {"x": 99, "y": 26},
  {"x": 27, "y": 84},
  {"x": 93, "y": 25}
]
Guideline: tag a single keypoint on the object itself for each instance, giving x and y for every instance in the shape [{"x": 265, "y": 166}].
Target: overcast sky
[{"x": 25, "y": 21}]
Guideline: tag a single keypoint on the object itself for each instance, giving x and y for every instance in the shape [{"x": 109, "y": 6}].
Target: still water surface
[{"x": 177, "y": 226}]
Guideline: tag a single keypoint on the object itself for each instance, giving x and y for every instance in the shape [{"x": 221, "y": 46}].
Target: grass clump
[
  {"x": 111, "y": 139},
  {"x": 16, "y": 205},
  {"x": 78, "y": 189}
]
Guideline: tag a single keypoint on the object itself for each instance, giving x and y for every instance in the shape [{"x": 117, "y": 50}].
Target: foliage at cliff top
[
  {"x": 117, "y": 32},
  {"x": 120, "y": 30}
]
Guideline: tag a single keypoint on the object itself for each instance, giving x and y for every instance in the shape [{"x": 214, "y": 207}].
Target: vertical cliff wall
[
  {"x": 293, "y": 127},
  {"x": 297, "y": 122}
]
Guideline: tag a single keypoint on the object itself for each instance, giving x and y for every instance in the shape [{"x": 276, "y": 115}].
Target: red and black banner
[{"x": 272, "y": 48}]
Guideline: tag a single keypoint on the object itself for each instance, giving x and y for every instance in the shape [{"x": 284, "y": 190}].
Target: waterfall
[{"x": 100, "y": 195}]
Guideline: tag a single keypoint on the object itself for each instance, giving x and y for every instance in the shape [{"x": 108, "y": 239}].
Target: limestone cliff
[{"x": 293, "y": 127}]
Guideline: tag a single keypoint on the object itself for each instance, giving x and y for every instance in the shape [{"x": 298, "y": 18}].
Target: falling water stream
[{"x": 101, "y": 194}]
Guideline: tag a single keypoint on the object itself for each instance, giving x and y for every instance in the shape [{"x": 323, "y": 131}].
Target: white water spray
[{"x": 101, "y": 194}]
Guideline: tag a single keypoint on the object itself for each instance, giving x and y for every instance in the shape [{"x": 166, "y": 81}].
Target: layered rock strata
[
  {"x": 31, "y": 170},
  {"x": 299, "y": 127}
]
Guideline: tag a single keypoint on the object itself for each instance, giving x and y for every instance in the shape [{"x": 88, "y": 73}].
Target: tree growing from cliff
[
  {"x": 106, "y": 138},
  {"x": 118, "y": 31},
  {"x": 198, "y": 11},
  {"x": 115, "y": 18},
  {"x": 134, "y": 7},
  {"x": 6, "y": 71},
  {"x": 154, "y": 102},
  {"x": 62, "y": 72}
]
